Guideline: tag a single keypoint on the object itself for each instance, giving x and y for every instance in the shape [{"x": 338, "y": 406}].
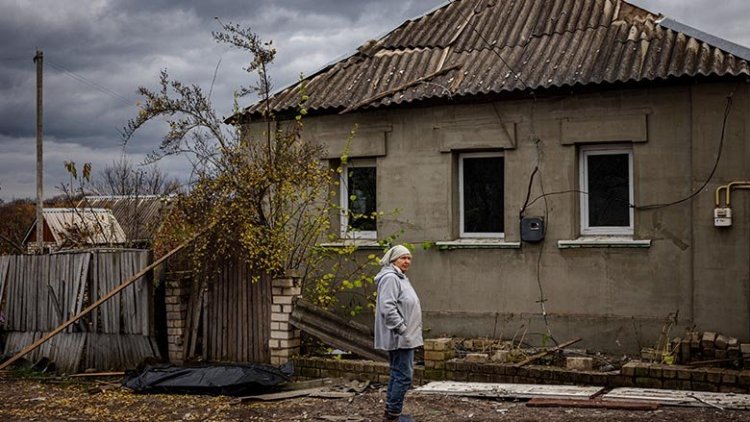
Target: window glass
[
  {"x": 482, "y": 194},
  {"x": 606, "y": 182},
  {"x": 609, "y": 190},
  {"x": 361, "y": 198}
]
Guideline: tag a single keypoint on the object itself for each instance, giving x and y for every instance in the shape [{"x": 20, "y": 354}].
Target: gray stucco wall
[{"x": 615, "y": 298}]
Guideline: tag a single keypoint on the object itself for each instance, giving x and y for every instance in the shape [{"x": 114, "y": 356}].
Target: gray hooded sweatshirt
[{"x": 398, "y": 314}]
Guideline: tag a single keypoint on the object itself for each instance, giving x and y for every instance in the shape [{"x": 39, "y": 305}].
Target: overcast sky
[{"x": 97, "y": 52}]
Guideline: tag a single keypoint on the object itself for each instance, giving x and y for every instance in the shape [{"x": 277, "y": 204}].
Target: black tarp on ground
[{"x": 212, "y": 380}]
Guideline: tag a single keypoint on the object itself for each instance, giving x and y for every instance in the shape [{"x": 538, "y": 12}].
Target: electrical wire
[
  {"x": 650, "y": 207},
  {"x": 82, "y": 79},
  {"x": 727, "y": 109}
]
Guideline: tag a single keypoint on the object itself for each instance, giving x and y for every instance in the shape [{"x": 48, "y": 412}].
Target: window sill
[
  {"x": 603, "y": 242},
  {"x": 476, "y": 244},
  {"x": 364, "y": 244}
]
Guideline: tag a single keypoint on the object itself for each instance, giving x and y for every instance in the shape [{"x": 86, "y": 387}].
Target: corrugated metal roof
[
  {"x": 90, "y": 226},
  {"x": 139, "y": 216},
  {"x": 477, "y": 47}
]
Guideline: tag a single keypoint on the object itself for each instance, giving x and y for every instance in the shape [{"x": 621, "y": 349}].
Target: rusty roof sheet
[
  {"x": 140, "y": 216},
  {"x": 477, "y": 47},
  {"x": 90, "y": 226}
]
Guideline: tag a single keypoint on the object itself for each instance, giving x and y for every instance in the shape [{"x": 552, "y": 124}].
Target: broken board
[
  {"x": 509, "y": 391},
  {"x": 681, "y": 398}
]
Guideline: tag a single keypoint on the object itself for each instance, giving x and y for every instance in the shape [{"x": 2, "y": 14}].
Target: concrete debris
[
  {"x": 681, "y": 398},
  {"x": 593, "y": 404},
  {"x": 507, "y": 391}
]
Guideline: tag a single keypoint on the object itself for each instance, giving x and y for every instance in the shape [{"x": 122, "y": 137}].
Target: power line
[{"x": 82, "y": 79}]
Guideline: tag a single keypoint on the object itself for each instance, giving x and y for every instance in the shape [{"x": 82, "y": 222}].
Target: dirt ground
[{"x": 65, "y": 400}]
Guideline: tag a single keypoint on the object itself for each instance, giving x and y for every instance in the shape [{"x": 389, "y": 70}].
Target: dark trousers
[{"x": 401, "y": 374}]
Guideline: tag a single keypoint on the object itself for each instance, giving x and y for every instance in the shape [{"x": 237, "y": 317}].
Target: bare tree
[{"x": 123, "y": 177}]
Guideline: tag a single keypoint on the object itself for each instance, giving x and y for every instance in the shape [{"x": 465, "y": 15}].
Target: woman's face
[{"x": 403, "y": 263}]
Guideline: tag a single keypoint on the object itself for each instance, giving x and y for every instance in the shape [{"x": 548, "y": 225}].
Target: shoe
[{"x": 405, "y": 418}]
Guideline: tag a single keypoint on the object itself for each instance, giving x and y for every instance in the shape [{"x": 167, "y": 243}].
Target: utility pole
[{"x": 39, "y": 60}]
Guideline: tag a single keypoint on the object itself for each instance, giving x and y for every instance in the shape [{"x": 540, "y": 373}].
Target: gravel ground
[{"x": 56, "y": 400}]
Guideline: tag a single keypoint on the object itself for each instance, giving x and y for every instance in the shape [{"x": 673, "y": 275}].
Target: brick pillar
[
  {"x": 176, "y": 296},
  {"x": 285, "y": 339},
  {"x": 436, "y": 352}
]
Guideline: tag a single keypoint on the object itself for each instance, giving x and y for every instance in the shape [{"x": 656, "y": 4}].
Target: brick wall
[
  {"x": 316, "y": 367},
  {"x": 176, "y": 296},
  {"x": 440, "y": 364},
  {"x": 285, "y": 339}
]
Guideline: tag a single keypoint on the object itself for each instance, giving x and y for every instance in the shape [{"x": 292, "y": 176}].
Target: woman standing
[{"x": 398, "y": 325}]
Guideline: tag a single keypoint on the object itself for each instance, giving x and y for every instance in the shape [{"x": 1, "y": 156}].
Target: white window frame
[
  {"x": 344, "y": 200},
  {"x": 462, "y": 232},
  {"x": 586, "y": 229}
]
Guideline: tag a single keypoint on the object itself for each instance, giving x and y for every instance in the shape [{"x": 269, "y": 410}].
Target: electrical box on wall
[
  {"x": 722, "y": 217},
  {"x": 532, "y": 229}
]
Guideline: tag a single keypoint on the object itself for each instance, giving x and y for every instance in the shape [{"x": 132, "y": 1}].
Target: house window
[
  {"x": 359, "y": 200},
  {"x": 607, "y": 191},
  {"x": 481, "y": 194}
]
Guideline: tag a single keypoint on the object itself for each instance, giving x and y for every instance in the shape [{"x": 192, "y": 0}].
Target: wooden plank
[
  {"x": 135, "y": 320},
  {"x": 193, "y": 310},
  {"x": 11, "y": 293},
  {"x": 101, "y": 288},
  {"x": 108, "y": 308},
  {"x": 223, "y": 317},
  {"x": 265, "y": 299},
  {"x": 592, "y": 404},
  {"x": 36, "y": 281},
  {"x": 244, "y": 334},
  {"x": 233, "y": 315},
  {"x": 279, "y": 396},
  {"x": 140, "y": 298},
  {"x": 68, "y": 288},
  {"x": 46, "y": 304},
  {"x": 126, "y": 298},
  {"x": 541, "y": 354},
  {"x": 4, "y": 264},
  {"x": 204, "y": 312},
  {"x": 212, "y": 317},
  {"x": 94, "y": 305},
  {"x": 257, "y": 320},
  {"x": 265, "y": 330},
  {"x": 30, "y": 290},
  {"x": 98, "y": 374},
  {"x": 23, "y": 298},
  {"x": 148, "y": 295},
  {"x": 52, "y": 306},
  {"x": 681, "y": 398},
  {"x": 253, "y": 322},
  {"x": 82, "y": 277},
  {"x": 509, "y": 391}
]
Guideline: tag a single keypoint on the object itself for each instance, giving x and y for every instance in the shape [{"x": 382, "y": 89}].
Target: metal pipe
[{"x": 735, "y": 185}]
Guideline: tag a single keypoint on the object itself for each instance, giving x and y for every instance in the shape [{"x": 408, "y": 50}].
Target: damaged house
[{"x": 571, "y": 165}]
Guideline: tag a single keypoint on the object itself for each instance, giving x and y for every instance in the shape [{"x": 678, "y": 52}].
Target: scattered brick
[
  {"x": 708, "y": 340},
  {"x": 579, "y": 363}
]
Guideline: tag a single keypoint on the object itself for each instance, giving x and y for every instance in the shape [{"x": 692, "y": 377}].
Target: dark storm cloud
[{"x": 98, "y": 52}]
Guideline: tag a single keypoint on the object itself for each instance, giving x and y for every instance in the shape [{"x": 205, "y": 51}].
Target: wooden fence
[
  {"x": 230, "y": 318},
  {"x": 40, "y": 292}
]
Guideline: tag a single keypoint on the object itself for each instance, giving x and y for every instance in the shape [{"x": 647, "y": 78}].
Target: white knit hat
[{"x": 393, "y": 254}]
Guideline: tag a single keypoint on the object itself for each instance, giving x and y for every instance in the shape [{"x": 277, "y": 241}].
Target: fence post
[
  {"x": 176, "y": 297},
  {"x": 285, "y": 339}
]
